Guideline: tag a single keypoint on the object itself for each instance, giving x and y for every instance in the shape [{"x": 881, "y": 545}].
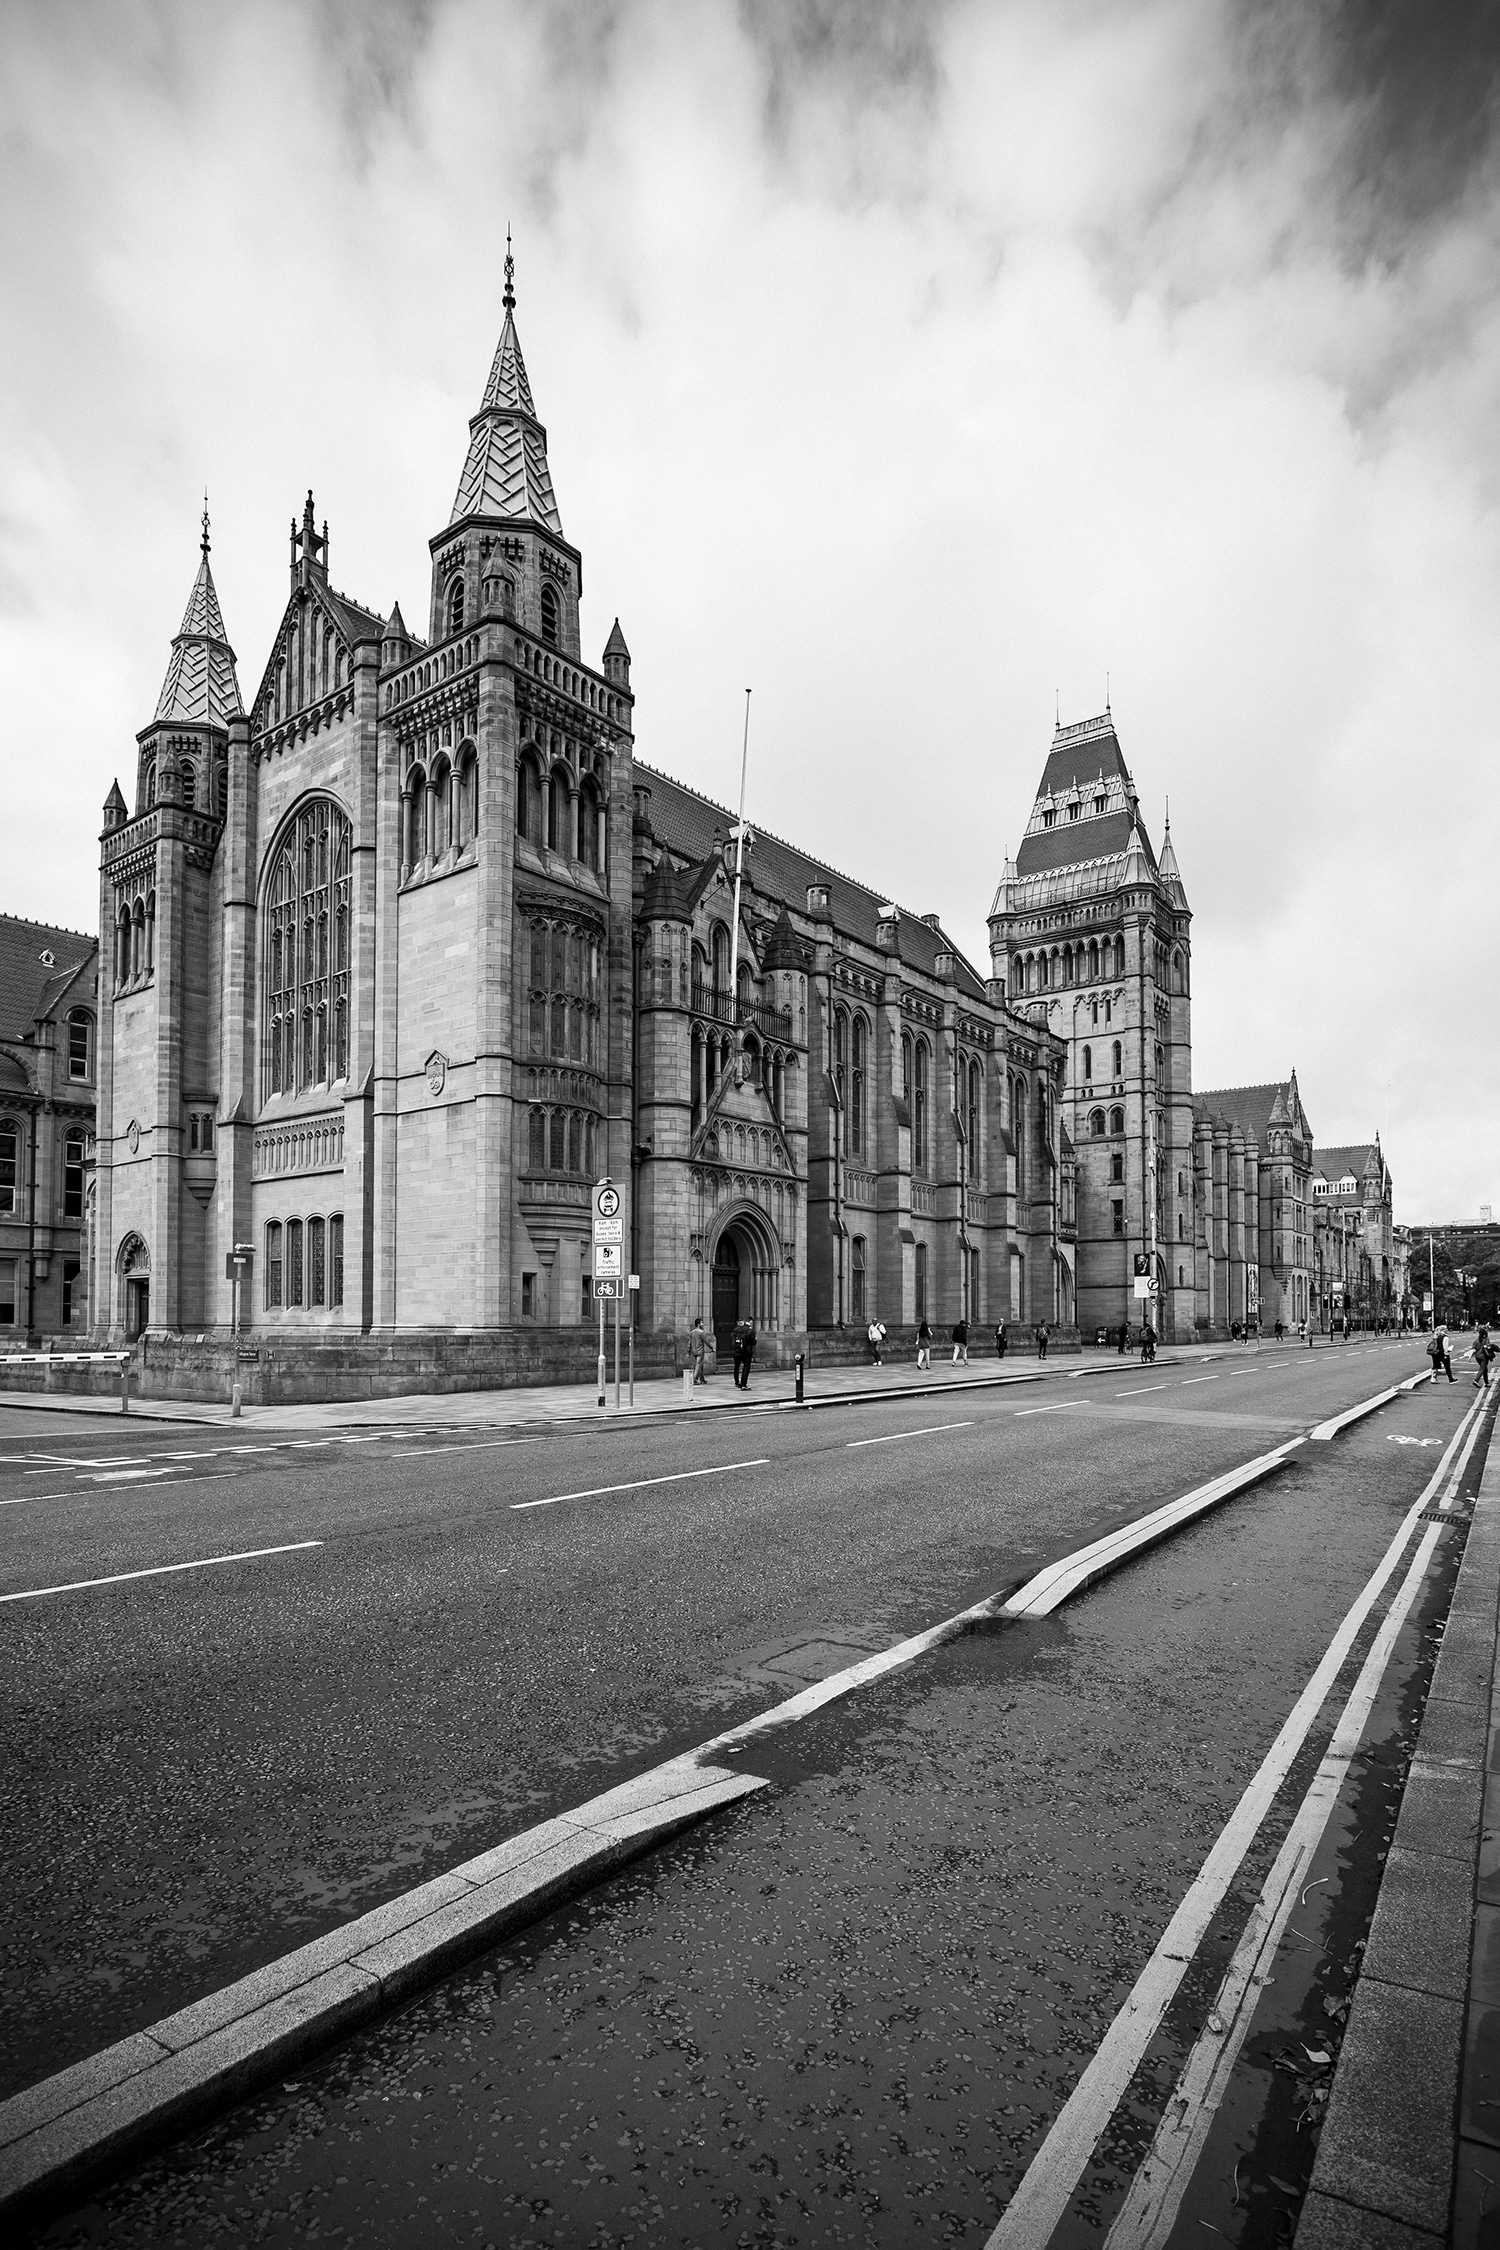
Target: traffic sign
[
  {"x": 607, "y": 1287},
  {"x": 609, "y": 1259}
]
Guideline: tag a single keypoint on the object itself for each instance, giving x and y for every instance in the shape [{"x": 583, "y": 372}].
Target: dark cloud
[
  {"x": 375, "y": 50},
  {"x": 1423, "y": 75},
  {"x": 861, "y": 54}
]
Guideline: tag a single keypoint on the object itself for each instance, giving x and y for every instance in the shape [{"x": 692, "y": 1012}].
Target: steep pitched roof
[
  {"x": 689, "y": 826},
  {"x": 1254, "y": 1109},
  {"x": 29, "y": 986},
  {"x": 505, "y": 472},
  {"x": 1088, "y": 798},
  {"x": 1358, "y": 1157},
  {"x": 200, "y": 688}
]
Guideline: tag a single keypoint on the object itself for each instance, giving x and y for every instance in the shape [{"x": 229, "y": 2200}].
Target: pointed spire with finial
[
  {"x": 505, "y": 474},
  {"x": 200, "y": 687}
]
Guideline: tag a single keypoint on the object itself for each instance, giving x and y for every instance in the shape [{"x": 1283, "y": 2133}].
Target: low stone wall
[{"x": 285, "y": 1370}]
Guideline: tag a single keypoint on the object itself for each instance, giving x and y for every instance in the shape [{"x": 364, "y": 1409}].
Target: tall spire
[
  {"x": 505, "y": 473},
  {"x": 200, "y": 688}
]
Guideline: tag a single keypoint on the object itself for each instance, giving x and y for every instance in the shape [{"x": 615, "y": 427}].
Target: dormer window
[
  {"x": 1075, "y": 810},
  {"x": 1049, "y": 817},
  {"x": 549, "y": 616},
  {"x": 1099, "y": 803}
]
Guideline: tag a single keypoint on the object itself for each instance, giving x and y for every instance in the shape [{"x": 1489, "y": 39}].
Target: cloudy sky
[{"x": 919, "y": 365}]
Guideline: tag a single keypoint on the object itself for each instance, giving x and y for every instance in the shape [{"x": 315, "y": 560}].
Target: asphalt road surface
[{"x": 846, "y": 2011}]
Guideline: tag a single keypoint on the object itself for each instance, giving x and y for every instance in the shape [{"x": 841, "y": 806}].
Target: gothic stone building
[
  {"x": 400, "y": 959},
  {"x": 48, "y": 1049}
]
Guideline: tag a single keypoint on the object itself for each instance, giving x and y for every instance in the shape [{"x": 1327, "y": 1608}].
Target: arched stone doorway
[
  {"x": 135, "y": 1287},
  {"x": 745, "y": 1267}
]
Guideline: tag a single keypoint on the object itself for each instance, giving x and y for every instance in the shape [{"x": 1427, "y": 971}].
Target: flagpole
[{"x": 739, "y": 869}]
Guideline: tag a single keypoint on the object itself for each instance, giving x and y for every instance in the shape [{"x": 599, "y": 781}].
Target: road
[{"x": 847, "y": 2010}]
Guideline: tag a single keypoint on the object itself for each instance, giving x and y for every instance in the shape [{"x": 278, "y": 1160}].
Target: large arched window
[
  {"x": 588, "y": 826},
  {"x": 549, "y": 615},
  {"x": 975, "y": 1081},
  {"x": 456, "y": 606},
  {"x": 441, "y": 811},
  {"x": 919, "y": 1116},
  {"x": 306, "y": 990},
  {"x": 559, "y": 812},
  {"x": 1096, "y": 1124},
  {"x": 720, "y": 941},
  {"x": 1117, "y": 1121},
  {"x": 1088, "y": 1064}
]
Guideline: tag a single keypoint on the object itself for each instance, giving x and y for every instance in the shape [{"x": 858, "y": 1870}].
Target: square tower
[{"x": 1090, "y": 935}]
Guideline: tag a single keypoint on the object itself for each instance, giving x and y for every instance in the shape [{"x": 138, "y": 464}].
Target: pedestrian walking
[
  {"x": 924, "y": 1343},
  {"x": 698, "y": 1346},
  {"x": 744, "y": 1352},
  {"x": 1046, "y": 1339},
  {"x": 1437, "y": 1352},
  {"x": 1484, "y": 1352},
  {"x": 1002, "y": 1338},
  {"x": 1148, "y": 1344},
  {"x": 875, "y": 1338},
  {"x": 1280, "y": 1331},
  {"x": 960, "y": 1343},
  {"x": 1124, "y": 1337}
]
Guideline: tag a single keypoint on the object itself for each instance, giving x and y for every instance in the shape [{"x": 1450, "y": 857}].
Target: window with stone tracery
[{"x": 306, "y": 1010}]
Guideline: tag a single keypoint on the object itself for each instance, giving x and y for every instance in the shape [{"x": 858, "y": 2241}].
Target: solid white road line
[
  {"x": 1047, "y": 2188},
  {"x": 1150, "y": 2209},
  {"x": 894, "y": 1436},
  {"x": 639, "y": 1484},
  {"x": 162, "y": 1570}
]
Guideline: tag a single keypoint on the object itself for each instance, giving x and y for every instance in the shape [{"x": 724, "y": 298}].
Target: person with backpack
[
  {"x": 1148, "y": 1344},
  {"x": 875, "y": 1337},
  {"x": 1484, "y": 1352},
  {"x": 960, "y": 1343},
  {"x": 1437, "y": 1352},
  {"x": 1002, "y": 1338}
]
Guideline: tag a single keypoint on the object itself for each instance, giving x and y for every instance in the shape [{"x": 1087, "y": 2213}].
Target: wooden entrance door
[{"x": 726, "y": 1291}]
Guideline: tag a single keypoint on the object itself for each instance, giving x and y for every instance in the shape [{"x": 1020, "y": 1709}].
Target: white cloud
[{"x": 910, "y": 365}]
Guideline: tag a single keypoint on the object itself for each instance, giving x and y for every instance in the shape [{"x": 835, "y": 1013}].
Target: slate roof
[
  {"x": 1081, "y": 757},
  {"x": 30, "y": 986},
  {"x": 1075, "y": 843},
  {"x": 1357, "y": 1157},
  {"x": 690, "y": 827},
  {"x": 1253, "y": 1108},
  {"x": 200, "y": 688},
  {"x": 506, "y": 473}
]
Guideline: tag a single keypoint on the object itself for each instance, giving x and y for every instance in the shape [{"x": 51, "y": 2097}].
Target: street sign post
[{"x": 609, "y": 1267}]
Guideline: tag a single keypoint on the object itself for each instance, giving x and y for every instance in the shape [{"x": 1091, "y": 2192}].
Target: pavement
[
  {"x": 1409, "y": 2154},
  {"x": 226, "y": 1761},
  {"x": 559, "y": 1402}
]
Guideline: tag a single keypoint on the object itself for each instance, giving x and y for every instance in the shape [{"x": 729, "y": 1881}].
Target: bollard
[
  {"x": 687, "y": 1386},
  {"x": 234, "y": 1401},
  {"x": 801, "y": 1364},
  {"x": 125, "y": 1383}
]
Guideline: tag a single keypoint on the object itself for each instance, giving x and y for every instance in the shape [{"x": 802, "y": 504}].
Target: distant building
[
  {"x": 48, "y": 1057},
  {"x": 1253, "y": 1150},
  {"x": 1090, "y": 940},
  {"x": 1352, "y": 1194}
]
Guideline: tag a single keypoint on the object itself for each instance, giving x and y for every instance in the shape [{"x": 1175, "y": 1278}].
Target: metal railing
[{"x": 772, "y": 1023}]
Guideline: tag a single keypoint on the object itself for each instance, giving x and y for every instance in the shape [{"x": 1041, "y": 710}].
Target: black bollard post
[{"x": 801, "y": 1364}]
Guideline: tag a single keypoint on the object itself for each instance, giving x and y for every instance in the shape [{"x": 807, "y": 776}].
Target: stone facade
[
  {"x": 402, "y": 957},
  {"x": 1090, "y": 937},
  {"x": 48, "y": 1061},
  {"x": 1360, "y": 1267}
]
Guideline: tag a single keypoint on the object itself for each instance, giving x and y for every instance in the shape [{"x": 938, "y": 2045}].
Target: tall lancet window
[{"x": 306, "y": 987}]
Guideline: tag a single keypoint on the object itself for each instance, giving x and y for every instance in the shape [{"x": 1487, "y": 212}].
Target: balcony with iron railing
[{"x": 751, "y": 1015}]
